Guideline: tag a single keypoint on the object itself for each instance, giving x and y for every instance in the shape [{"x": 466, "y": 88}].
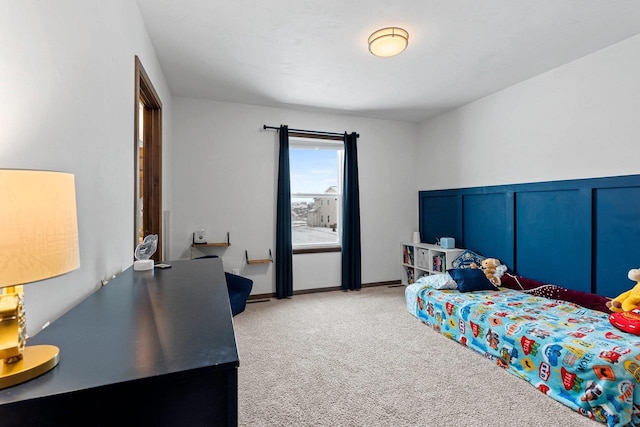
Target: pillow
[
  {"x": 471, "y": 279},
  {"x": 466, "y": 258},
  {"x": 438, "y": 281},
  {"x": 519, "y": 283},
  {"x": 533, "y": 287}
]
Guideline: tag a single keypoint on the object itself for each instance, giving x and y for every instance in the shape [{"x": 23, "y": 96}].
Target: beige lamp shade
[
  {"x": 38, "y": 226},
  {"x": 388, "y": 41}
]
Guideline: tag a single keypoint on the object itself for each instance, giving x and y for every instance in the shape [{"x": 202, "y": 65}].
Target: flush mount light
[{"x": 388, "y": 41}]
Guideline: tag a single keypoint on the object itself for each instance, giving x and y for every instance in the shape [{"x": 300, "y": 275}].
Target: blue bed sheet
[{"x": 570, "y": 353}]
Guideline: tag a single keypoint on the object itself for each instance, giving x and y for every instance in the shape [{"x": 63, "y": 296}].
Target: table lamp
[{"x": 38, "y": 240}]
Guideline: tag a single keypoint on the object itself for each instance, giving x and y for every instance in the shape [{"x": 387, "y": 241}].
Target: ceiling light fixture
[{"x": 388, "y": 41}]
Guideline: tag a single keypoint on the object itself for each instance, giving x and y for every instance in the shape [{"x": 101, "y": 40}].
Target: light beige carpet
[{"x": 360, "y": 359}]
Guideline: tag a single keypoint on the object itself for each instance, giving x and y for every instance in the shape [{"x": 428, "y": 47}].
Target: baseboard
[
  {"x": 390, "y": 283},
  {"x": 262, "y": 297}
]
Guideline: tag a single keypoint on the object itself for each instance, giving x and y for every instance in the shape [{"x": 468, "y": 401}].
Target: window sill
[{"x": 311, "y": 250}]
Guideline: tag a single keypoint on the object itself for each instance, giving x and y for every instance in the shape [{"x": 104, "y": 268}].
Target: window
[{"x": 316, "y": 178}]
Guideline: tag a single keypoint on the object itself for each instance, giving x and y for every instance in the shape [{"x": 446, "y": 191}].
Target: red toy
[{"x": 628, "y": 321}]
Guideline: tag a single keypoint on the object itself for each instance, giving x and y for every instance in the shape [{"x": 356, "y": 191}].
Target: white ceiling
[{"x": 313, "y": 54}]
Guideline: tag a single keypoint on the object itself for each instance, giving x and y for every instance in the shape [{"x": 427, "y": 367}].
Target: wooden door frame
[{"x": 152, "y": 157}]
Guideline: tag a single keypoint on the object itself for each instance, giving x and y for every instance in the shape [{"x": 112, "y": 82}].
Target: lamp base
[
  {"x": 143, "y": 264},
  {"x": 36, "y": 360}
]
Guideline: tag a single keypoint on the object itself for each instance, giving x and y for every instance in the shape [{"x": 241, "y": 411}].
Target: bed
[{"x": 568, "y": 351}]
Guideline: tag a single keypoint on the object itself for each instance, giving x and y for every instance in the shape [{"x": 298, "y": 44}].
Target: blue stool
[{"x": 239, "y": 289}]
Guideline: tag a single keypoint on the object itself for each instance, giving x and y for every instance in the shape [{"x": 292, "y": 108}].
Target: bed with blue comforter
[{"x": 571, "y": 353}]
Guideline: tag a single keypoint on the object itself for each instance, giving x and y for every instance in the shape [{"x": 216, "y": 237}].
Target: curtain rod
[{"x": 309, "y": 132}]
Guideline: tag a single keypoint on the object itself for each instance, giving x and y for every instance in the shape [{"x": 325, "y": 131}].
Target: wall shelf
[
  {"x": 195, "y": 245},
  {"x": 258, "y": 261},
  {"x": 211, "y": 245}
]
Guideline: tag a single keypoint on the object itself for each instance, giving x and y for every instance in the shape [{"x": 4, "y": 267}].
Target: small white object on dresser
[{"x": 422, "y": 259}]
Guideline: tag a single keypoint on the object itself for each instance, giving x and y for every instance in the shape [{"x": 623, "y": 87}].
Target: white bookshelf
[{"x": 421, "y": 259}]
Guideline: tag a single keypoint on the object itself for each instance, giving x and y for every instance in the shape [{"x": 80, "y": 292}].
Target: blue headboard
[{"x": 581, "y": 234}]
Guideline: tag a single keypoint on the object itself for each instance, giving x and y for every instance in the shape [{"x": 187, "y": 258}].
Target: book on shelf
[
  {"x": 410, "y": 276},
  {"x": 438, "y": 263},
  {"x": 408, "y": 255}
]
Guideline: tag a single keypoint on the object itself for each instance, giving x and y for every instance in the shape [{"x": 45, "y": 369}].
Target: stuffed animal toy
[
  {"x": 492, "y": 268},
  {"x": 630, "y": 299}
]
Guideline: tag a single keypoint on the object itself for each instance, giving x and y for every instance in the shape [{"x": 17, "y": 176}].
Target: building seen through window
[{"x": 316, "y": 196}]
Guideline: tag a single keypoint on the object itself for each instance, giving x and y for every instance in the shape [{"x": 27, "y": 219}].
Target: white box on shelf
[{"x": 422, "y": 260}]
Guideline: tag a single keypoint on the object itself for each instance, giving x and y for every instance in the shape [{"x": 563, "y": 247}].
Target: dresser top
[{"x": 142, "y": 324}]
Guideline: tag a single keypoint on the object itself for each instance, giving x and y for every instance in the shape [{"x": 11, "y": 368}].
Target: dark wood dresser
[{"x": 150, "y": 348}]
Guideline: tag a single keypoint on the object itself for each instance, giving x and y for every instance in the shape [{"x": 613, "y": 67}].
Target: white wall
[
  {"x": 67, "y": 103},
  {"x": 225, "y": 180},
  {"x": 576, "y": 121},
  {"x": 66, "y": 80}
]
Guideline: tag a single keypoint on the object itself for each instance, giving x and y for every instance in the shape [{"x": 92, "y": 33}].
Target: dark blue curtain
[
  {"x": 351, "y": 263},
  {"x": 284, "y": 248}
]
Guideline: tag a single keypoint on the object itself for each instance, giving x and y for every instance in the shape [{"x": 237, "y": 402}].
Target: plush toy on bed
[
  {"x": 492, "y": 268},
  {"x": 630, "y": 299},
  {"x": 626, "y": 307}
]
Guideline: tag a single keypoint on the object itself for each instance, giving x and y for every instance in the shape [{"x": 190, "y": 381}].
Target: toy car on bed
[{"x": 538, "y": 332}]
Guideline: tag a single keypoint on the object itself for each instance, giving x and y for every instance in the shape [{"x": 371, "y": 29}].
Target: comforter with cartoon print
[{"x": 571, "y": 353}]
